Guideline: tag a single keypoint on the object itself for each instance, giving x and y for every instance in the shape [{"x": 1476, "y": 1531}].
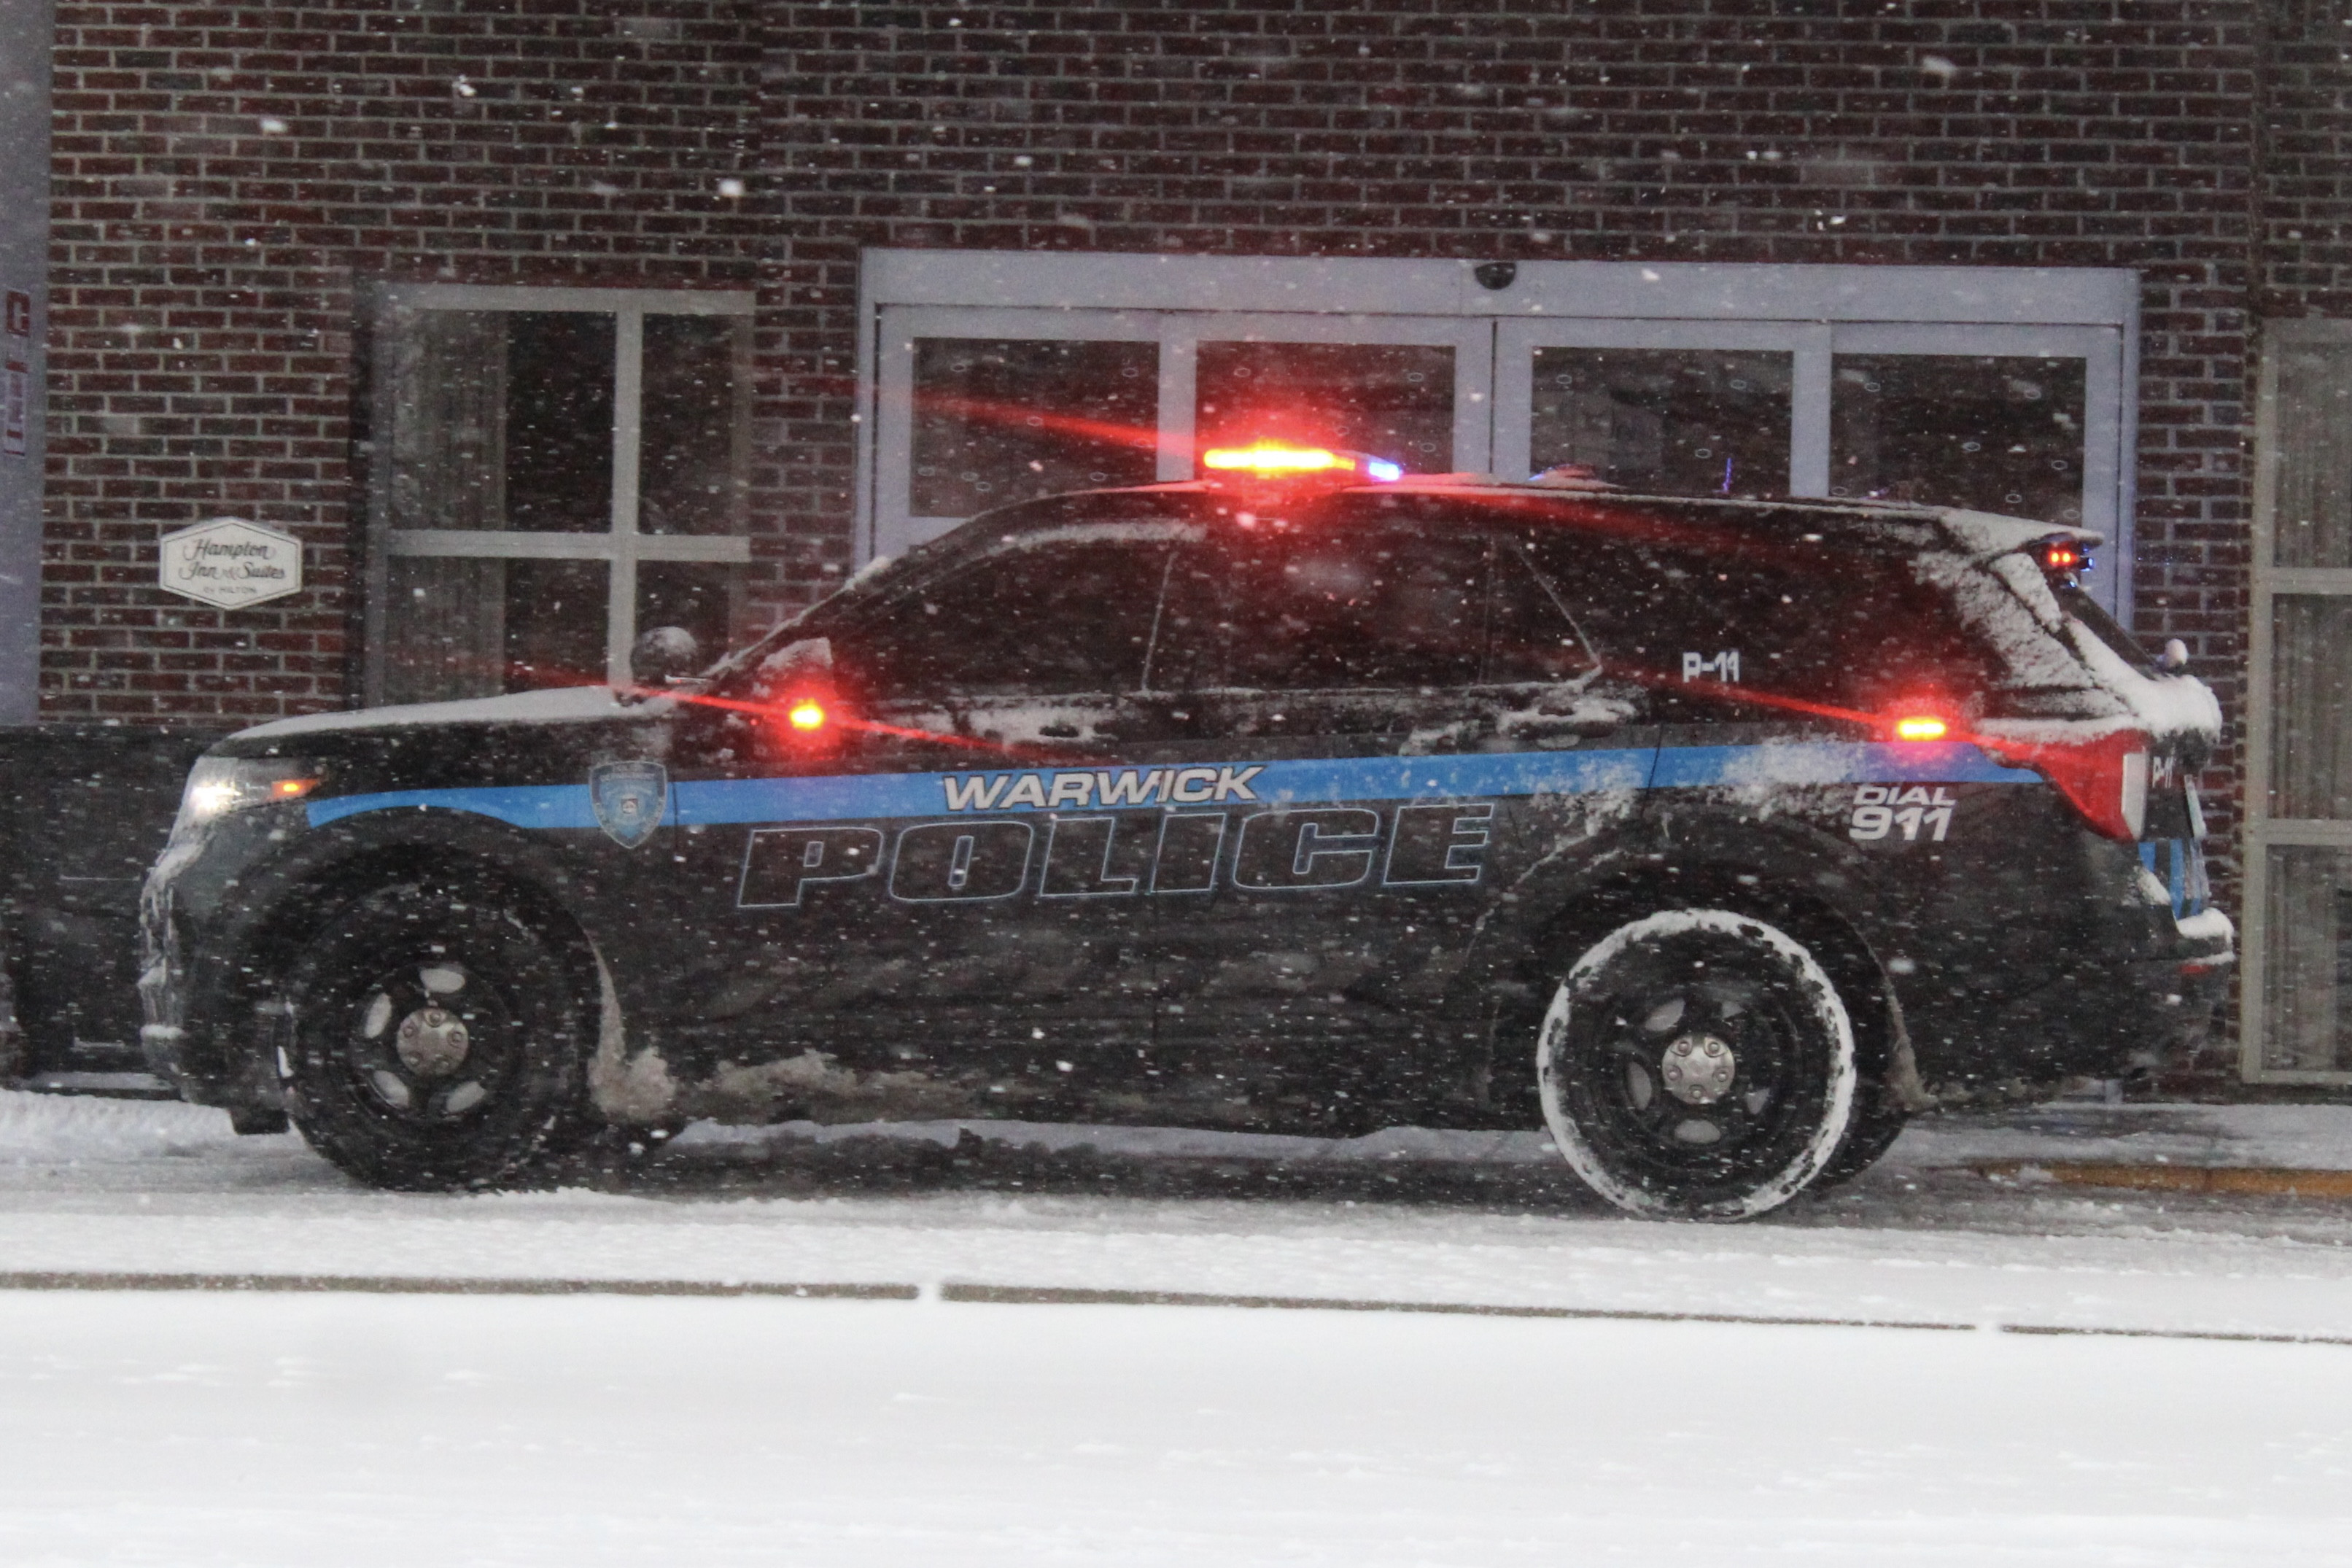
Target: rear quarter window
[{"x": 1722, "y": 628}]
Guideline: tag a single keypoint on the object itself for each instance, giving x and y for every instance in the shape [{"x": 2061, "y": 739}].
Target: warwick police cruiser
[{"x": 1716, "y": 836}]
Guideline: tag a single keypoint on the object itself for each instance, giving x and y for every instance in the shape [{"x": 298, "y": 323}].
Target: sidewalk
[{"x": 2303, "y": 1149}]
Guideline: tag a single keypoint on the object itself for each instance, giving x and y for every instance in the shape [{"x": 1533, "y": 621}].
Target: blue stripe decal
[
  {"x": 1832, "y": 762},
  {"x": 865, "y": 797},
  {"x": 522, "y": 805}
]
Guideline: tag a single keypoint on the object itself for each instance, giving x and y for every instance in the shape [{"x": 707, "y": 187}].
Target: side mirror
[{"x": 661, "y": 656}]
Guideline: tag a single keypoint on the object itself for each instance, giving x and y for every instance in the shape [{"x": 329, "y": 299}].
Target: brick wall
[{"x": 225, "y": 179}]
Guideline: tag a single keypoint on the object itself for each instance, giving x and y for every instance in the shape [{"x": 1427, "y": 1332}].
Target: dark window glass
[
  {"x": 1999, "y": 434},
  {"x": 1666, "y": 421},
  {"x": 689, "y": 469},
  {"x": 559, "y": 425},
  {"x": 1530, "y": 635},
  {"x": 1391, "y": 400},
  {"x": 1269, "y": 608},
  {"x": 997, "y": 422},
  {"x": 1724, "y": 632},
  {"x": 1061, "y": 617},
  {"x": 465, "y": 626},
  {"x": 554, "y": 632}
]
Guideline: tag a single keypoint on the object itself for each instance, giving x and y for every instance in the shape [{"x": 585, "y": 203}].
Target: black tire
[
  {"x": 440, "y": 1040},
  {"x": 1697, "y": 1064},
  {"x": 1879, "y": 1120}
]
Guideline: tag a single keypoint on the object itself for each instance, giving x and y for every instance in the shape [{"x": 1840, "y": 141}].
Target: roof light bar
[{"x": 1271, "y": 459}]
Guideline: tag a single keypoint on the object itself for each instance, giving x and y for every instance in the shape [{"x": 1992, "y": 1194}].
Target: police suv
[{"x": 1712, "y": 834}]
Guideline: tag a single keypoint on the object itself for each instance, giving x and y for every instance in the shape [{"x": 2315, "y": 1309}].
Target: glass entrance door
[{"x": 975, "y": 408}]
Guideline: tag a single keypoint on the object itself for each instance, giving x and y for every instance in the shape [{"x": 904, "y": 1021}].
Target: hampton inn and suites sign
[{"x": 231, "y": 562}]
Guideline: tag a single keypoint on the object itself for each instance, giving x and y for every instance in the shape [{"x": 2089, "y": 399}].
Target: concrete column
[{"x": 26, "y": 29}]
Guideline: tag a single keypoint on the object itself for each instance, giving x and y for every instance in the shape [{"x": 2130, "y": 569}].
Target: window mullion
[
  {"x": 1809, "y": 414},
  {"x": 628, "y": 426}
]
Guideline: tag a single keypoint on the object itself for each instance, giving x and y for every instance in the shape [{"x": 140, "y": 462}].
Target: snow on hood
[{"x": 557, "y": 705}]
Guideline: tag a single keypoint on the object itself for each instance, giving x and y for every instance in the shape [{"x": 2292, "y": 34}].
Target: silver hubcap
[
  {"x": 1697, "y": 1068},
  {"x": 432, "y": 1042}
]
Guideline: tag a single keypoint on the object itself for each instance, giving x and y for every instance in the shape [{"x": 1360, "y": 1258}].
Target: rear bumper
[{"x": 2101, "y": 1017}]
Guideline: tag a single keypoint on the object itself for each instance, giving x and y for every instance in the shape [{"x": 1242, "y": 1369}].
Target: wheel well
[
  {"x": 1833, "y": 940},
  {"x": 273, "y": 944}
]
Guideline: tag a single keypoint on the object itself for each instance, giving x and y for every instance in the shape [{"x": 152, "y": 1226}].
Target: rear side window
[
  {"x": 1706, "y": 623},
  {"x": 1320, "y": 609}
]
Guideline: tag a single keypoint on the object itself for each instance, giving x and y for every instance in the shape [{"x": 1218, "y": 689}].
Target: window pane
[
  {"x": 2311, "y": 706},
  {"x": 1665, "y": 422},
  {"x": 446, "y": 445},
  {"x": 997, "y": 422},
  {"x": 445, "y": 629},
  {"x": 554, "y": 623},
  {"x": 1051, "y": 619},
  {"x": 2315, "y": 462},
  {"x": 559, "y": 436},
  {"x": 693, "y": 594},
  {"x": 2307, "y": 929},
  {"x": 1999, "y": 434},
  {"x": 1393, "y": 401},
  {"x": 1270, "y": 612},
  {"x": 691, "y": 474},
  {"x": 459, "y": 627}
]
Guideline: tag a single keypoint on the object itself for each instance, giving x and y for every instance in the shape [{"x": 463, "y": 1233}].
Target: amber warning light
[
  {"x": 806, "y": 716},
  {"x": 1269, "y": 459},
  {"x": 1920, "y": 727}
]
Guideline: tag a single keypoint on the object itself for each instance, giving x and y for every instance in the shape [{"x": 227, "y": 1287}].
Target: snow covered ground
[{"x": 272, "y": 1426}]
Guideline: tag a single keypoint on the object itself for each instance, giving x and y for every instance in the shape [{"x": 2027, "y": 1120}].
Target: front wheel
[
  {"x": 440, "y": 1040},
  {"x": 1697, "y": 1064}
]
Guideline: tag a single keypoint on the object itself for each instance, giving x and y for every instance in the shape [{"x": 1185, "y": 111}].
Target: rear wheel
[
  {"x": 1879, "y": 1120},
  {"x": 1697, "y": 1063},
  {"x": 440, "y": 1040}
]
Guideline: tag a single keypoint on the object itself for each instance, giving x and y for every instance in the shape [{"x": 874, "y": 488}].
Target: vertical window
[
  {"x": 1391, "y": 400},
  {"x": 1664, "y": 421},
  {"x": 997, "y": 422},
  {"x": 553, "y": 470},
  {"x": 1994, "y": 433}
]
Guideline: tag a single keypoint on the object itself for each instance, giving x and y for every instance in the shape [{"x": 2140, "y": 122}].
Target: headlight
[{"x": 218, "y": 785}]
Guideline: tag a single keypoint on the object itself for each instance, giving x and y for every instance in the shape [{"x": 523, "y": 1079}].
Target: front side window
[
  {"x": 553, "y": 471},
  {"x": 1044, "y": 618}
]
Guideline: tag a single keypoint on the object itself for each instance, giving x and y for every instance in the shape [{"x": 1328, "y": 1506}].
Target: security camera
[{"x": 1495, "y": 273}]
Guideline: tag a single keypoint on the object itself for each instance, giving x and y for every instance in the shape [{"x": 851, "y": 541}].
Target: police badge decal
[{"x": 629, "y": 799}]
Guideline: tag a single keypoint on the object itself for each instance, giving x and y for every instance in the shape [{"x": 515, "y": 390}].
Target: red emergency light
[{"x": 1276, "y": 461}]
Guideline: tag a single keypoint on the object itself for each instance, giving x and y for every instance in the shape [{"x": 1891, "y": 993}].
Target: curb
[
  {"x": 2242, "y": 1179},
  {"x": 1069, "y": 1296}
]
